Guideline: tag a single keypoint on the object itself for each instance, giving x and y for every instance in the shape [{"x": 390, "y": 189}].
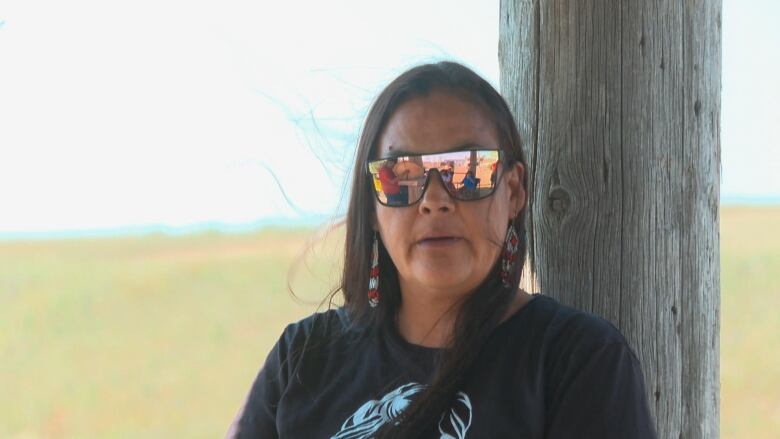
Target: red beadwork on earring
[
  {"x": 509, "y": 255},
  {"x": 373, "y": 280}
]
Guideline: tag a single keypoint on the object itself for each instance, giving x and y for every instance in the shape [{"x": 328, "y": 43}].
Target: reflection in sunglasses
[{"x": 467, "y": 175}]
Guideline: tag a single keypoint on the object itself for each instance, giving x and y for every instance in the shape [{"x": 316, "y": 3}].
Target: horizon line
[{"x": 313, "y": 222}]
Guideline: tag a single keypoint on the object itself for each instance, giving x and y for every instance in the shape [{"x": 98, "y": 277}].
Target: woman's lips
[{"x": 442, "y": 241}]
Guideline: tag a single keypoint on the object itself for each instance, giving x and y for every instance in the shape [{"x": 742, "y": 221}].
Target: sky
[{"x": 172, "y": 113}]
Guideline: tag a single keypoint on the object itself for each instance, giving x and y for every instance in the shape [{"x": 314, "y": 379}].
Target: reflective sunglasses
[{"x": 468, "y": 175}]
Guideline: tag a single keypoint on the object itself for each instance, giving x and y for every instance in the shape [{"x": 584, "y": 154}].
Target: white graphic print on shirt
[{"x": 373, "y": 414}]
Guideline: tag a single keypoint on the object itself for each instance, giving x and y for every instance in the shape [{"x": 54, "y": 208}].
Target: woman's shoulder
[
  {"x": 319, "y": 326},
  {"x": 590, "y": 372},
  {"x": 564, "y": 328},
  {"x": 563, "y": 341}
]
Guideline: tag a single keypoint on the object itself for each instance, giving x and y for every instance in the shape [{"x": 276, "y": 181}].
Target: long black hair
[{"x": 482, "y": 310}]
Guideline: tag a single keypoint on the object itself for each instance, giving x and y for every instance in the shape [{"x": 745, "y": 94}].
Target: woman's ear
[{"x": 517, "y": 193}]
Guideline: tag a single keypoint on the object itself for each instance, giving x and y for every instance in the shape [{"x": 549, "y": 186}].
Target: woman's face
[{"x": 442, "y": 244}]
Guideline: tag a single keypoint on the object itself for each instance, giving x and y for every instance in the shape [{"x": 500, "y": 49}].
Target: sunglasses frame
[{"x": 427, "y": 182}]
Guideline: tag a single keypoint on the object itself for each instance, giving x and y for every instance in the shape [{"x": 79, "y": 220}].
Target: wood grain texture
[
  {"x": 619, "y": 106},
  {"x": 519, "y": 47}
]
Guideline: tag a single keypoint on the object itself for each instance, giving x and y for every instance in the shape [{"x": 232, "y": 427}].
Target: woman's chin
[{"x": 440, "y": 276}]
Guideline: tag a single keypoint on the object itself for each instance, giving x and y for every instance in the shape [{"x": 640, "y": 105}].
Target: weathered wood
[
  {"x": 518, "y": 47},
  {"x": 619, "y": 106}
]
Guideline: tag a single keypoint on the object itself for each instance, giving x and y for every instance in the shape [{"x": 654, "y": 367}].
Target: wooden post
[{"x": 618, "y": 103}]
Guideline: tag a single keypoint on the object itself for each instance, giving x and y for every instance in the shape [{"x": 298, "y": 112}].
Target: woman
[{"x": 435, "y": 339}]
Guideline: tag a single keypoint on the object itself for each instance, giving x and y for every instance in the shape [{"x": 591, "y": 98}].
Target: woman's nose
[{"x": 436, "y": 197}]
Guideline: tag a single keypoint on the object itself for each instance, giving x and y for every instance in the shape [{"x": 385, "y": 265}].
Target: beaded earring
[
  {"x": 373, "y": 280},
  {"x": 509, "y": 255}
]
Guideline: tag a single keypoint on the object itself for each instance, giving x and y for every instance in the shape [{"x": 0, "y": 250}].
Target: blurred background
[{"x": 153, "y": 218}]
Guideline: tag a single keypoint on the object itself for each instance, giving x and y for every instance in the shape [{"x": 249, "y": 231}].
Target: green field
[{"x": 158, "y": 336}]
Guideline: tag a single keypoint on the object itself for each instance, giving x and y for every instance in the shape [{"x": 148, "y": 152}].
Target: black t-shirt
[{"x": 549, "y": 371}]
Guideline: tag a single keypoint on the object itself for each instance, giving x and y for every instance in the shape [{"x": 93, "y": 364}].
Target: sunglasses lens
[{"x": 467, "y": 175}]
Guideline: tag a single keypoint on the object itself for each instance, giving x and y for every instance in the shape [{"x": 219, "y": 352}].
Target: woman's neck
[
  {"x": 428, "y": 320},
  {"x": 426, "y": 323}
]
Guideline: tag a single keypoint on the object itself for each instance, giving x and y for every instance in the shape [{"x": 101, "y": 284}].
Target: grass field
[
  {"x": 750, "y": 323},
  {"x": 156, "y": 336}
]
